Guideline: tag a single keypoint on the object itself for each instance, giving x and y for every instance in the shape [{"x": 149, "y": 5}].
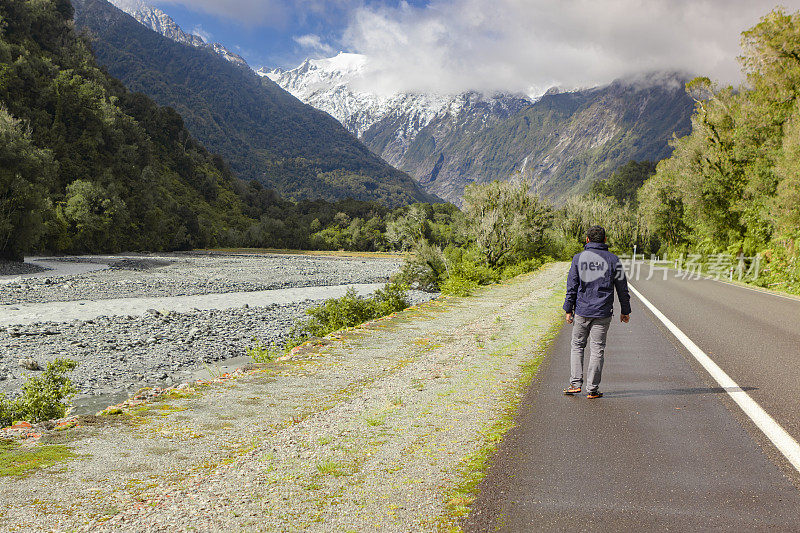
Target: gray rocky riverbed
[
  {"x": 122, "y": 351},
  {"x": 180, "y": 274}
]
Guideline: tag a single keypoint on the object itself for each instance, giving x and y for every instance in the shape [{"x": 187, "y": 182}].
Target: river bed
[{"x": 158, "y": 320}]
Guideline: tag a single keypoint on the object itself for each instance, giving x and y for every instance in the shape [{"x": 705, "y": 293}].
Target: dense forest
[
  {"x": 86, "y": 165},
  {"x": 732, "y": 186},
  {"x": 263, "y": 132},
  {"x": 728, "y": 199}
]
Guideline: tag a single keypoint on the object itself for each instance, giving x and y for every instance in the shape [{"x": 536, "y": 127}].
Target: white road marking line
[
  {"x": 756, "y": 289},
  {"x": 773, "y": 431}
]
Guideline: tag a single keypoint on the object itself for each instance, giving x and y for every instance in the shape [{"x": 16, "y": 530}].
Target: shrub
[
  {"x": 262, "y": 353},
  {"x": 469, "y": 263},
  {"x": 391, "y": 298},
  {"x": 529, "y": 265},
  {"x": 424, "y": 268},
  {"x": 43, "y": 397},
  {"x": 351, "y": 309},
  {"x": 458, "y": 286},
  {"x": 337, "y": 313},
  {"x": 6, "y": 411}
]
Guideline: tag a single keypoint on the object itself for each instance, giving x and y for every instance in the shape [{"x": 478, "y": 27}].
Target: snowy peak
[
  {"x": 158, "y": 21},
  {"x": 314, "y": 75},
  {"x": 446, "y": 141},
  {"x": 338, "y": 86},
  {"x": 339, "y": 66}
]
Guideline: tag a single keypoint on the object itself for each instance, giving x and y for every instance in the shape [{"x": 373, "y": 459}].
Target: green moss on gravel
[
  {"x": 473, "y": 468},
  {"x": 17, "y": 460}
]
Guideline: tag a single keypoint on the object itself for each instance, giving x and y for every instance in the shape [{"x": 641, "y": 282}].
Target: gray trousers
[{"x": 593, "y": 331}]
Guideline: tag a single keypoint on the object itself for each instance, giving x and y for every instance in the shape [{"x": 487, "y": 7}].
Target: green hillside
[
  {"x": 262, "y": 131},
  {"x": 562, "y": 143},
  {"x": 86, "y": 165}
]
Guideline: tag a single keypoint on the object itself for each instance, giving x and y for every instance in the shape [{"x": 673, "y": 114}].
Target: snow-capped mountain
[
  {"x": 332, "y": 85},
  {"x": 160, "y": 22},
  {"x": 561, "y": 142}
]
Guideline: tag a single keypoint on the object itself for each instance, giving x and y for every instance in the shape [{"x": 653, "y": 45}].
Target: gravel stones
[
  {"x": 16, "y": 268},
  {"x": 113, "y": 351},
  {"x": 122, "y": 353},
  {"x": 30, "y": 364},
  {"x": 188, "y": 274}
]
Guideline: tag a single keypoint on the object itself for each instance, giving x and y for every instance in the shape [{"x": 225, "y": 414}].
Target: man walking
[{"x": 594, "y": 275}]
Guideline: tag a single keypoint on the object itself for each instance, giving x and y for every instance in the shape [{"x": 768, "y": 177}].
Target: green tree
[
  {"x": 505, "y": 218},
  {"x": 625, "y": 181},
  {"x": 91, "y": 212},
  {"x": 25, "y": 173},
  {"x": 732, "y": 184},
  {"x": 411, "y": 227}
]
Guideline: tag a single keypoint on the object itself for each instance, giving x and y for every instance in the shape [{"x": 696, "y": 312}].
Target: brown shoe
[
  {"x": 572, "y": 390},
  {"x": 595, "y": 394}
]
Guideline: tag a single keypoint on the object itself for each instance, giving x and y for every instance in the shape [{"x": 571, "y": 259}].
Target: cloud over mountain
[
  {"x": 449, "y": 46},
  {"x": 454, "y": 45}
]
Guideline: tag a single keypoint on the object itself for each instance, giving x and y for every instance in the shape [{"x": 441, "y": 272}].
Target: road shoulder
[{"x": 373, "y": 430}]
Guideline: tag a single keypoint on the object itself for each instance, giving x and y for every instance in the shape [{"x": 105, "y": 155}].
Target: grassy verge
[
  {"x": 473, "y": 468},
  {"x": 16, "y": 460}
]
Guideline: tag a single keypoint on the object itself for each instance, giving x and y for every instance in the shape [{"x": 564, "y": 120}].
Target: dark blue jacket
[{"x": 593, "y": 275}]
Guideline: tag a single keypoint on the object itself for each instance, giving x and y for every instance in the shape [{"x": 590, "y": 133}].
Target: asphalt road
[{"x": 664, "y": 449}]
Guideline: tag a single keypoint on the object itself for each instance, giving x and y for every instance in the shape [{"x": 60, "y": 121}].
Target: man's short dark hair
[{"x": 596, "y": 234}]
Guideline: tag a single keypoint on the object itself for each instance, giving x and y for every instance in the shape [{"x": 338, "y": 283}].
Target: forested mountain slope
[
  {"x": 562, "y": 142},
  {"x": 86, "y": 165},
  {"x": 160, "y": 22},
  {"x": 262, "y": 131}
]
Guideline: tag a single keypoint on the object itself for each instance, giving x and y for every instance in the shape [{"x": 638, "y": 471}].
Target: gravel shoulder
[{"x": 370, "y": 431}]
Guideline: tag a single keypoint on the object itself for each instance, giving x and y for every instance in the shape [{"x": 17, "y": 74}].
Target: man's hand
[
  {"x": 569, "y": 318},
  {"x": 624, "y": 318}
]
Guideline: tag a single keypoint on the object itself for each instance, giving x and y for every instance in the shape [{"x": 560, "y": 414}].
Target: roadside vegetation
[
  {"x": 728, "y": 199},
  {"x": 502, "y": 230},
  {"x": 335, "y": 314},
  {"x": 43, "y": 397}
]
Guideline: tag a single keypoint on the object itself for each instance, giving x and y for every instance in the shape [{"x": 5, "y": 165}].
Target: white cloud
[
  {"x": 203, "y": 34},
  {"x": 313, "y": 43},
  {"x": 531, "y": 45}
]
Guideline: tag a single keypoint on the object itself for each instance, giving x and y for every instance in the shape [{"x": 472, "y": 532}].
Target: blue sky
[
  {"x": 450, "y": 46},
  {"x": 271, "y": 39}
]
